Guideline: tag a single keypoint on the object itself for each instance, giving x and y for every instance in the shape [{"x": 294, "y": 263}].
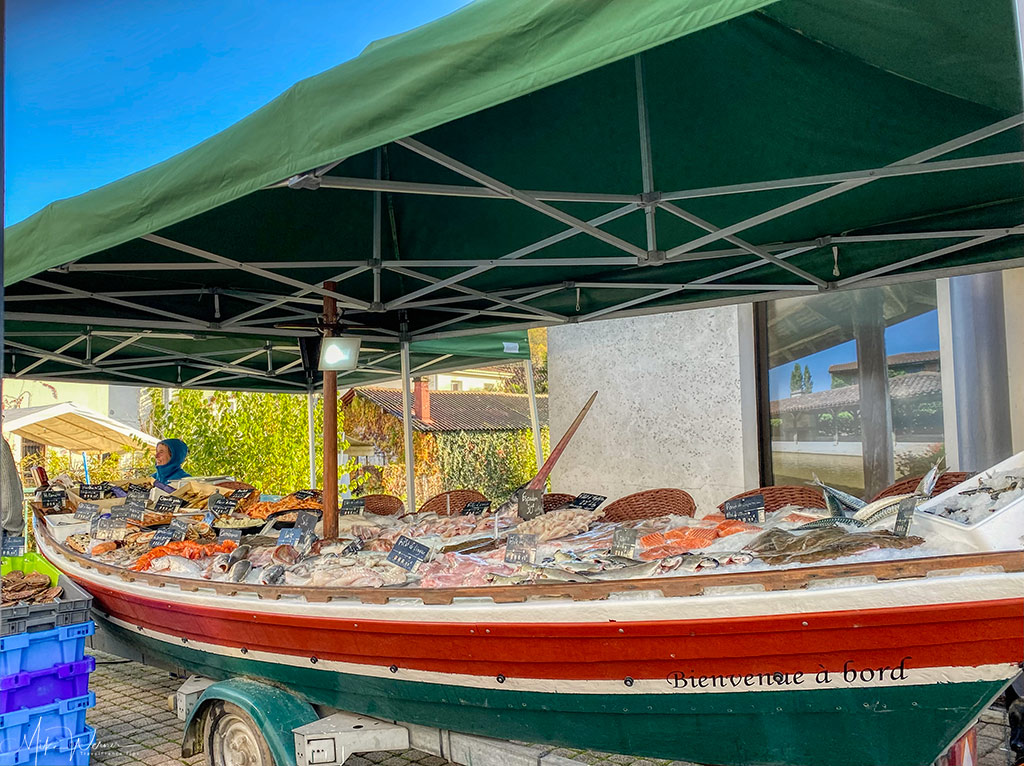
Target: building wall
[{"x": 675, "y": 404}]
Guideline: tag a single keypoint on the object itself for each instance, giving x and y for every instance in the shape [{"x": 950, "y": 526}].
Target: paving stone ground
[{"x": 135, "y": 727}]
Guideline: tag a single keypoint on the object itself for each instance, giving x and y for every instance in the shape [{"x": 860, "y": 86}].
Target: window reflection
[{"x": 824, "y": 353}]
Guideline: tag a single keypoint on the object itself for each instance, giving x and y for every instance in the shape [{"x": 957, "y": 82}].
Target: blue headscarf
[{"x": 172, "y": 470}]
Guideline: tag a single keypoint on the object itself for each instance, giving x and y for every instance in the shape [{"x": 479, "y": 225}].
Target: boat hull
[{"x": 756, "y": 678}]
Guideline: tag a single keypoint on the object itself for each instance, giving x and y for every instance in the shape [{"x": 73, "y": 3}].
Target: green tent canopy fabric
[{"x": 522, "y": 163}]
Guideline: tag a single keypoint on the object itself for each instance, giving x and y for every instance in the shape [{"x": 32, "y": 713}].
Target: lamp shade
[{"x": 339, "y": 353}]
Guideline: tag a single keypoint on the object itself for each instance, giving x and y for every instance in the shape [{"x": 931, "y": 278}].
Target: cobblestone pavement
[{"x": 134, "y": 726}]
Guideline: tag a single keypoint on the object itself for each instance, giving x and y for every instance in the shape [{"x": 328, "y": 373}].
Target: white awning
[{"x": 69, "y": 426}]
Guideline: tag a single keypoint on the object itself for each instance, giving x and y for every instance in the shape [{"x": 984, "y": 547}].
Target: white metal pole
[
  {"x": 410, "y": 470},
  {"x": 311, "y": 428},
  {"x": 531, "y": 389}
]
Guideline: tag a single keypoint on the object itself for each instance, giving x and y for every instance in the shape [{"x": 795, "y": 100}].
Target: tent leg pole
[
  {"x": 330, "y": 427},
  {"x": 311, "y": 430},
  {"x": 410, "y": 469},
  {"x": 531, "y": 389}
]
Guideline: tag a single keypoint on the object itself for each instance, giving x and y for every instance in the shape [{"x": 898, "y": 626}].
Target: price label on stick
[
  {"x": 52, "y": 498},
  {"x": 408, "y": 553},
  {"x": 904, "y": 515},
  {"x": 222, "y": 505},
  {"x": 133, "y": 503},
  {"x": 138, "y": 497},
  {"x": 138, "y": 488},
  {"x": 476, "y": 508},
  {"x": 85, "y": 511},
  {"x": 162, "y": 536},
  {"x": 352, "y": 506},
  {"x": 749, "y": 509},
  {"x": 90, "y": 491},
  {"x": 136, "y": 513},
  {"x": 588, "y": 502},
  {"x": 13, "y": 545},
  {"x": 241, "y": 494},
  {"x": 521, "y": 549},
  {"x": 180, "y": 527},
  {"x": 235, "y": 535},
  {"x": 119, "y": 512},
  {"x": 290, "y": 537},
  {"x": 624, "y": 543},
  {"x": 305, "y": 494},
  {"x": 110, "y": 528},
  {"x": 169, "y": 504},
  {"x": 353, "y": 547},
  {"x": 531, "y": 504},
  {"x": 306, "y": 521}
]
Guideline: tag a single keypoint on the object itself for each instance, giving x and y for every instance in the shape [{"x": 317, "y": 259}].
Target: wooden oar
[{"x": 537, "y": 482}]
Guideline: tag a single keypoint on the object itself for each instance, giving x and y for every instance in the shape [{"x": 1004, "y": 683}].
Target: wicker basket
[
  {"x": 651, "y": 503},
  {"x": 383, "y": 505},
  {"x": 908, "y": 485},
  {"x": 781, "y": 496},
  {"x": 556, "y": 500},
  {"x": 440, "y": 505}
]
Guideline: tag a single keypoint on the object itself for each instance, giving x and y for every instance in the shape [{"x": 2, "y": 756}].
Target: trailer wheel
[{"x": 232, "y": 738}]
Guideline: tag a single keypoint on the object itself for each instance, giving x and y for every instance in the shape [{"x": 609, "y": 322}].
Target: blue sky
[
  {"x": 920, "y": 333},
  {"x": 98, "y": 89}
]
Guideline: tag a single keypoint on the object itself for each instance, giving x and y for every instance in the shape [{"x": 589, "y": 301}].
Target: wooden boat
[{"x": 872, "y": 663}]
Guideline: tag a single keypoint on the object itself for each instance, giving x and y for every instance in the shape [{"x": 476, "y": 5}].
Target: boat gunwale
[{"x": 679, "y": 586}]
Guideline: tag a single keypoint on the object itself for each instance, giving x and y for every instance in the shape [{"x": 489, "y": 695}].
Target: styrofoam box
[
  {"x": 999, "y": 531},
  {"x": 63, "y": 525}
]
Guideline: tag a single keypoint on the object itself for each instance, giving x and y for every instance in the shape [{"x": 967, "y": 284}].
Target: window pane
[{"x": 820, "y": 350}]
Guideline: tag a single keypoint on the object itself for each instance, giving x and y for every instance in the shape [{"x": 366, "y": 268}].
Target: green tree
[
  {"x": 807, "y": 386},
  {"x": 796, "y": 380},
  {"x": 258, "y": 438}
]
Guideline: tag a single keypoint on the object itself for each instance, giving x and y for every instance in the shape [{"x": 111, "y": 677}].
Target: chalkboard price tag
[
  {"x": 110, "y": 528},
  {"x": 290, "y": 537},
  {"x": 86, "y": 511},
  {"x": 134, "y": 501},
  {"x": 119, "y": 512},
  {"x": 521, "y": 549},
  {"x": 90, "y": 491},
  {"x": 749, "y": 509},
  {"x": 353, "y": 547},
  {"x": 136, "y": 513},
  {"x": 904, "y": 515},
  {"x": 352, "y": 506},
  {"x": 53, "y": 498},
  {"x": 624, "y": 543},
  {"x": 305, "y": 494},
  {"x": 235, "y": 535},
  {"x": 476, "y": 508},
  {"x": 222, "y": 505},
  {"x": 13, "y": 545},
  {"x": 306, "y": 521},
  {"x": 531, "y": 504},
  {"x": 118, "y": 492},
  {"x": 138, "y": 497},
  {"x": 241, "y": 494},
  {"x": 169, "y": 504},
  {"x": 408, "y": 553},
  {"x": 588, "y": 502},
  {"x": 180, "y": 524},
  {"x": 138, "y": 488},
  {"x": 162, "y": 536}
]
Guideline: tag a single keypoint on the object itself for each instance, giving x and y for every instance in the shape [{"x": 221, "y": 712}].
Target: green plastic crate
[{"x": 30, "y": 562}]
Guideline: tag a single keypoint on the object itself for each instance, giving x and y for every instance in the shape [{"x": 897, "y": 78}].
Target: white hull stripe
[
  {"x": 631, "y": 607},
  {"x": 765, "y": 683}
]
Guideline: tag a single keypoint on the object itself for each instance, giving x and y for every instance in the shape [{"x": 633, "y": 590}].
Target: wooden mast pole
[{"x": 330, "y": 424}]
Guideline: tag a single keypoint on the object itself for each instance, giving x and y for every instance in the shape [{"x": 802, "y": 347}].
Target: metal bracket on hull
[{"x": 331, "y": 740}]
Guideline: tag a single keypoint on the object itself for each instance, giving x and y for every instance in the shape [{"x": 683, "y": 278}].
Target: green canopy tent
[{"x": 521, "y": 163}]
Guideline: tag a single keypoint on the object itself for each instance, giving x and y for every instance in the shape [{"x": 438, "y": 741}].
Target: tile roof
[
  {"x": 908, "y": 386},
  {"x": 891, "y": 361},
  {"x": 462, "y": 410}
]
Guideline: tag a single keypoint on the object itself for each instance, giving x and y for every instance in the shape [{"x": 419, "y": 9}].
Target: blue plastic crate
[
  {"x": 41, "y": 687},
  {"x": 55, "y": 722},
  {"x": 25, "y": 652},
  {"x": 70, "y": 751}
]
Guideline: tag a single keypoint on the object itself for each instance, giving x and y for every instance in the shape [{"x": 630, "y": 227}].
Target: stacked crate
[{"x": 44, "y": 675}]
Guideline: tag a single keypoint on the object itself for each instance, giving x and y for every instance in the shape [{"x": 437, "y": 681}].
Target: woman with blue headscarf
[{"x": 170, "y": 454}]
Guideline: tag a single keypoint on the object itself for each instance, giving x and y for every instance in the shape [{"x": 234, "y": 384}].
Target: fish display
[{"x": 983, "y": 497}]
